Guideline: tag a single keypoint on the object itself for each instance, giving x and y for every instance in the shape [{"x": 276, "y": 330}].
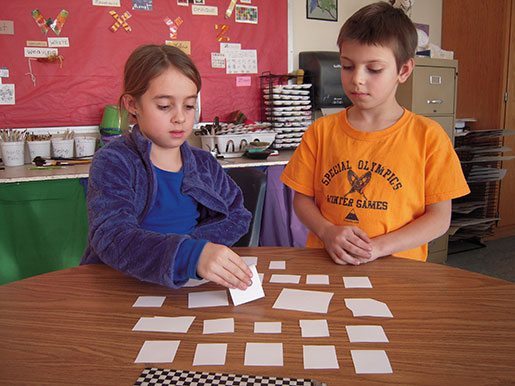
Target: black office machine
[{"x": 323, "y": 69}]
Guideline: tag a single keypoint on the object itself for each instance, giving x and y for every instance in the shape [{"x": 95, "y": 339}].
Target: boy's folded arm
[
  {"x": 432, "y": 224},
  {"x": 345, "y": 244}
]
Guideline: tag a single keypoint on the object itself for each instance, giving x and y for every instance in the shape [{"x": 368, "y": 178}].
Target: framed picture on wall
[{"x": 322, "y": 10}]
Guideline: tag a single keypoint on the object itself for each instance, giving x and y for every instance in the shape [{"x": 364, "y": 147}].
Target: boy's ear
[{"x": 406, "y": 70}]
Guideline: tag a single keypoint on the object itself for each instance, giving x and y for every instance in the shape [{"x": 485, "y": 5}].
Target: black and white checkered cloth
[{"x": 155, "y": 376}]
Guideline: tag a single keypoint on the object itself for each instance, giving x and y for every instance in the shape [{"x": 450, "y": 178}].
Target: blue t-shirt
[{"x": 175, "y": 212}]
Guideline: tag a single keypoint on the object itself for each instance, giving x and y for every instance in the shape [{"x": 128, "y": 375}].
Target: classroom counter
[{"x": 28, "y": 173}]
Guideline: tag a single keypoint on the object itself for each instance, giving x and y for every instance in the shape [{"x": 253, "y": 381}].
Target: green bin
[{"x": 43, "y": 227}]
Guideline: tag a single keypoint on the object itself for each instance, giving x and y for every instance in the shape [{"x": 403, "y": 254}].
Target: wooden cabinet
[
  {"x": 431, "y": 91},
  {"x": 482, "y": 36}
]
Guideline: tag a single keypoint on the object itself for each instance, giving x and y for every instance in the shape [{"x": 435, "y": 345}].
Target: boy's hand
[
  {"x": 347, "y": 244},
  {"x": 220, "y": 264}
]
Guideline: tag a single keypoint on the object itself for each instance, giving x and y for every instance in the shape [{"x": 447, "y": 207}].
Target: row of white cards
[
  {"x": 288, "y": 299},
  {"x": 266, "y": 354},
  {"x": 310, "y": 328},
  {"x": 219, "y": 298}
]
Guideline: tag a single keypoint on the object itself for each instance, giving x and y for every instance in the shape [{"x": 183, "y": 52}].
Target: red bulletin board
[{"x": 91, "y": 73}]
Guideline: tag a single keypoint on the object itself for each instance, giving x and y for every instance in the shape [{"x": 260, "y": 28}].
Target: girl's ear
[
  {"x": 130, "y": 104},
  {"x": 406, "y": 70}
]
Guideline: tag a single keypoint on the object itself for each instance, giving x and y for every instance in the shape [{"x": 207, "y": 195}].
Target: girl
[{"x": 158, "y": 209}]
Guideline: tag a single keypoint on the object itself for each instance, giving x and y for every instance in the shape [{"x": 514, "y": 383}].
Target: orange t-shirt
[{"x": 378, "y": 181}]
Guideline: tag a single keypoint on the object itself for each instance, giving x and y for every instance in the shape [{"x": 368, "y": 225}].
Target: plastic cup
[
  {"x": 62, "y": 148},
  {"x": 13, "y": 153},
  {"x": 39, "y": 149},
  {"x": 85, "y": 146},
  {"x": 111, "y": 119}
]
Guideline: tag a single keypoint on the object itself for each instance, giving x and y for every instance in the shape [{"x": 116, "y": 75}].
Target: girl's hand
[
  {"x": 347, "y": 244},
  {"x": 221, "y": 265}
]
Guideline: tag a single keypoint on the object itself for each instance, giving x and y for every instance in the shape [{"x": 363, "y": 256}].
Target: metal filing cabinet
[{"x": 431, "y": 91}]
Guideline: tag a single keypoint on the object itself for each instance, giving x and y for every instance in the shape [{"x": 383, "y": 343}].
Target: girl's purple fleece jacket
[{"x": 121, "y": 190}]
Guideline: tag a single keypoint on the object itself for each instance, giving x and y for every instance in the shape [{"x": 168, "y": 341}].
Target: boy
[{"x": 375, "y": 179}]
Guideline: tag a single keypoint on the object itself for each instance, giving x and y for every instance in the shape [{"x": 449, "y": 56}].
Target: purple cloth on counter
[{"x": 280, "y": 226}]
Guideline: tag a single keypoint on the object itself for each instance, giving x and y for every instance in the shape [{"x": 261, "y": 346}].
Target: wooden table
[{"x": 449, "y": 327}]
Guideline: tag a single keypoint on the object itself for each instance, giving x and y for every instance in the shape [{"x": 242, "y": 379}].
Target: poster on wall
[
  {"x": 68, "y": 79},
  {"x": 322, "y": 10}
]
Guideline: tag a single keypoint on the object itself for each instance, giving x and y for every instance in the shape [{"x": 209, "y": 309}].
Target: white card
[
  {"x": 371, "y": 362},
  {"x": 250, "y": 260},
  {"x": 149, "y": 301},
  {"x": 301, "y": 300},
  {"x": 218, "y": 326},
  {"x": 210, "y": 354},
  {"x": 314, "y": 328},
  {"x": 264, "y": 354},
  {"x": 255, "y": 291},
  {"x": 277, "y": 265},
  {"x": 317, "y": 279},
  {"x": 207, "y": 299},
  {"x": 267, "y": 327},
  {"x": 195, "y": 282},
  {"x": 276, "y": 278},
  {"x": 368, "y": 307},
  {"x": 366, "y": 334},
  {"x": 320, "y": 357},
  {"x": 158, "y": 351},
  {"x": 357, "y": 282},
  {"x": 178, "y": 324}
]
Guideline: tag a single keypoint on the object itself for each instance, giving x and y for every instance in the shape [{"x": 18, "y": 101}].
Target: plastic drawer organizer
[
  {"x": 230, "y": 140},
  {"x": 287, "y": 107}
]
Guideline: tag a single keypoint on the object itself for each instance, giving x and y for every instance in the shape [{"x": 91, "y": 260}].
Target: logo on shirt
[
  {"x": 352, "y": 217},
  {"x": 359, "y": 178},
  {"x": 358, "y": 183}
]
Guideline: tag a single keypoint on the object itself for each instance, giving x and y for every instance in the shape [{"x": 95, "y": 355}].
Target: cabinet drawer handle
[{"x": 434, "y": 101}]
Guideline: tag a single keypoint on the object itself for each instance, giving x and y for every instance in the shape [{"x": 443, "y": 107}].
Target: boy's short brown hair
[{"x": 382, "y": 24}]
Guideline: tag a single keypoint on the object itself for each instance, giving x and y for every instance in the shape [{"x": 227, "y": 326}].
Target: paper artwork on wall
[
  {"x": 6, "y": 27},
  {"x": 221, "y": 32},
  {"x": 199, "y": 2},
  {"x": 246, "y": 14},
  {"x": 121, "y": 21},
  {"x": 7, "y": 94},
  {"x": 241, "y": 62},
  {"x": 183, "y": 45},
  {"x": 204, "y": 10},
  {"x": 4, "y": 72},
  {"x": 36, "y": 43},
  {"x": 173, "y": 25},
  {"x": 40, "y": 52},
  {"x": 106, "y": 3},
  {"x": 183, "y": 3},
  {"x": 230, "y": 8},
  {"x": 58, "y": 42},
  {"x": 217, "y": 60},
  {"x": 142, "y": 5},
  {"x": 46, "y": 24},
  {"x": 224, "y": 47},
  {"x": 246, "y": 1}
]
